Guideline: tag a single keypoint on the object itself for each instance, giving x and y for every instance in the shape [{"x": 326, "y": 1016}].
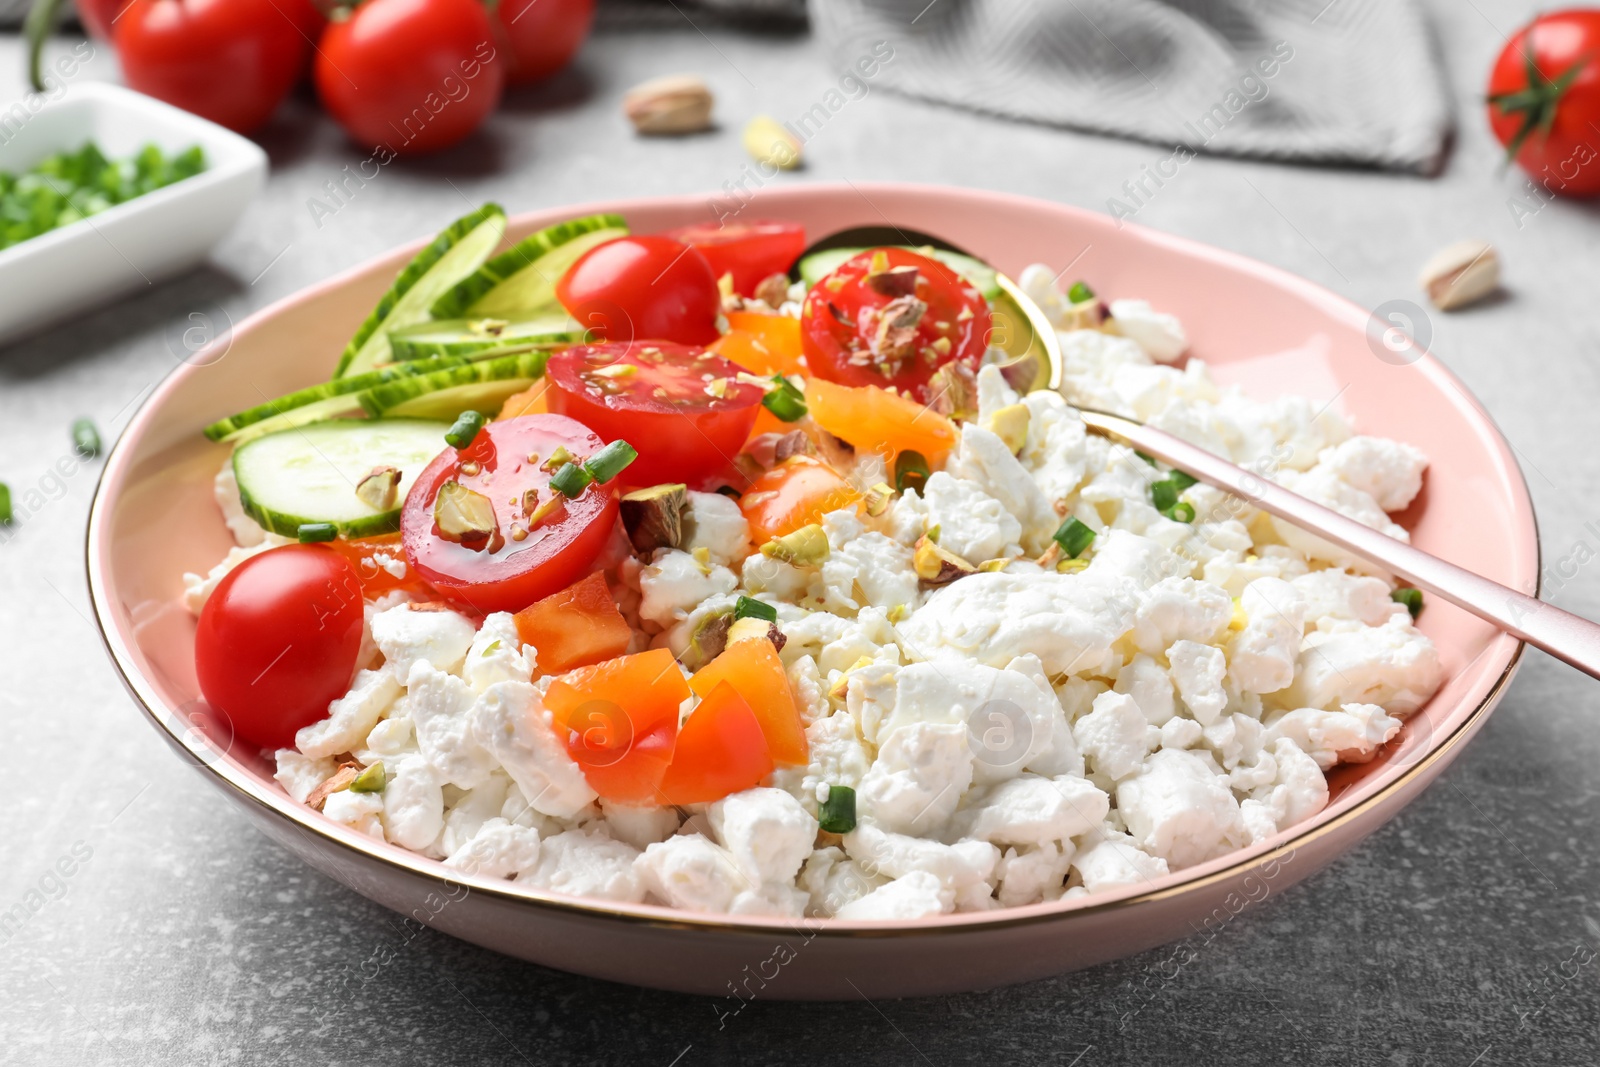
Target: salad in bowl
[{"x": 687, "y": 569}]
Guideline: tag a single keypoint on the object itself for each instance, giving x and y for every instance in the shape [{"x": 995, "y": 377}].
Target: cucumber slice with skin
[
  {"x": 318, "y": 402},
  {"x": 477, "y": 337},
  {"x": 479, "y": 386},
  {"x": 523, "y": 279},
  {"x": 818, "y": 265},
  {"x": 309, "y": 474},
  {"x": 453, "y": 255}
]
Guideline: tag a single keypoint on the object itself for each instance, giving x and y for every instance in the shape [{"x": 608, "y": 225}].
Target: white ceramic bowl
[{"x": 133, "y": 245}]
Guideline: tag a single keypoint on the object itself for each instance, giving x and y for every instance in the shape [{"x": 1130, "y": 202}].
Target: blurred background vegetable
[{"x": 1544, "y": 100}]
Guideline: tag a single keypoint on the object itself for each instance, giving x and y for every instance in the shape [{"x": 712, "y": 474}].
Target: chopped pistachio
[
  {"x": 933, "y": 532},
  {"x": 990, "y": 565},
  {"x": 938, "y": 566},
  {"x": 340, "y": 781},
  {"x": 653, "y": 517},
  {"x": 805, "y": 547},
  {"x": 717, "y": 387},
  {"x": 379, "y": 489},
  {"x": 547, "y": 509},
  {"x": 702, "y": 556},
  {"x": 878, "y": 499},
  {"x": 709, "y": 639},
  {"x": 749, "y": 629},
  {"x": 371, "y": 780},
  {"x": 953, "y": 391},
  {"x": 519, "y": 532},
  {"x": 615, "y": 370},
  {"x": 463, "y": 515},
  {"x": 1010, "y": 424},
  {"x": 1071, "y": 566},
  {"x": 793, "y": 443},
  {"x": 898, "y": 613},
  {"x": 558, "y": 459},
  {"x": 1240, "y": 619}
]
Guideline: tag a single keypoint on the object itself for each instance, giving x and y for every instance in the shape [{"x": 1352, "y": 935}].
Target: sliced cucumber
[
  {"x": 479, "y": 386},
  {"x": 309, "y": 474},
  {"x": 523, "y": 279},
  {"x": 819, "y": 265},
  {"x": 328, "y": 400},
  {"x": 475, "y": 337},
  {"x": 453, "y": 255}
]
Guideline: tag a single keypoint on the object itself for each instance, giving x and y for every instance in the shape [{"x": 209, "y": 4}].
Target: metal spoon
[{"x": 1562, "y": 634}]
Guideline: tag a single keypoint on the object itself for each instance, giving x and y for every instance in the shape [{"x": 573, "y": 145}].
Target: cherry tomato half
[
  {"x": 522, "y": 560},
  {"x": 412, "y": 76},
  {"x": 895, "y": 327},
  {"x": 750, "y": 251},
  {"x": 277, "y": 641},
  {"x": 643, "y": 287},
  {"x": 230, "y": 61},
  {"x": 1544, "y": 100},
  {"x": 680, "y": 406},
  {"x": 542, "y": 35}
]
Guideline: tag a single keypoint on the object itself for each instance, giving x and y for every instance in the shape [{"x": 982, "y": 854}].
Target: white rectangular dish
[{"x": 135, "y": 244}]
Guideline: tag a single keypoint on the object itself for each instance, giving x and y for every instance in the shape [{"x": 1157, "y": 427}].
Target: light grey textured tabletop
[{"x": 1459, "y": 934}]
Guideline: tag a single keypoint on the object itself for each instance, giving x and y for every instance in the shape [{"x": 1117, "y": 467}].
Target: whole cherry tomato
[
  {"x": 750, "y": 251},
  {"x": 541, "y": 36},
  {"x": 277, "y": 641},
  {"x": 541, "y": 540},
  {"x": 410, "y": 76},
  {"x": 663, "y": 399},
  {"x": 98, "y": 16},
  {"x": 891, "y": 317},
  {"x": 647, "y": 287},
  {"x": 1544, "y": 100},
  {"x": 230, "y": 61}
]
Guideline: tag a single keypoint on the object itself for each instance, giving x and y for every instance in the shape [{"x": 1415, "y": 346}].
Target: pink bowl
[{"x": 1270, "y": 332}]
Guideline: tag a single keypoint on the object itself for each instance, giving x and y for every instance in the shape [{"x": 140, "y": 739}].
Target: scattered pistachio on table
[
  {"x": 1461, "y": 274},
  {"x": 769, "y": 141},
  {"x": 674, "y": 104}
]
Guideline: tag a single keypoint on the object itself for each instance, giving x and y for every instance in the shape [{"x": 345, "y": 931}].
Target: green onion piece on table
[{"x": 85, "y": 438}]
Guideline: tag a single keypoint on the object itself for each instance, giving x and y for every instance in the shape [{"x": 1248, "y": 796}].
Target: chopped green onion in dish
[
  {"x": 1164, "y": 494},
  {"x": 751, "y": 608},
  {"x": 785, "y": 401},
  {"x": 610, "y": 461},
  {"x": 837, "y": 814},
  {"x": 571, "y": 480},
  {"x": 1080, "y": 293},
  {"x": 85, "y": 438},
  {"x": 1411, "y": 598},
  {"x": 1074, "y": 537},
  {"x": 1182, "y": 480},
  {"x": 465, "y": 429},
  {"x": 70, "y": 186},
  {"x": 910, "y": 471},
  {"x": 6, "y": 517},
  {"x": 1182, "y": 511},
  {"x": 312, "y": 533}
]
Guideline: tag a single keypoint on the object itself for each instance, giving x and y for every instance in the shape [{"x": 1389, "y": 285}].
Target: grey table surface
[{"x": 1461, "y": 933}]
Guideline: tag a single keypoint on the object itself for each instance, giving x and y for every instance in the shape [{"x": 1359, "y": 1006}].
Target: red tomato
[
  {"x": 98, "y": 16},
  {"x": 663, "y": 406},
  {"x": 542, "y": 35},
  {"x": 410, "y": 76},
  {"x": 750, "y": 251},
  {"x": 230, "y": 61},
  {"x": 643, "y": 287},
  {"x": 621, "y": 721},
  {"x": 721, "y": 750},
  {"x": 1544, "y": 100},
  {"x": 505, "y": 573},
  {"x": 277, "y": 641},
  {"x": 848, "y": 339}
]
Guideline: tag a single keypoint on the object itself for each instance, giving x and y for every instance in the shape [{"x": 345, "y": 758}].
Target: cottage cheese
[{"x": 1022, "y": 734}]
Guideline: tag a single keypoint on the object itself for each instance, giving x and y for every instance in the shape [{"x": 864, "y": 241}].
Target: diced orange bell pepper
[
  {"x": 762, "y": 344},
  {"x": 756, "y": 673},
  {"x": 528, "y": 402},
  {"x": 721, "y": 750},
  {"x": 577, "y": 626},
  {"x": 876, "y": 420},
  {"x": 795, "y": 493},
  {"x": 377, "y": 579},
  {"x": 620, "y": 722}
]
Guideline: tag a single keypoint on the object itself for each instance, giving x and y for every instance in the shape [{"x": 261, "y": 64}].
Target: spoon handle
[{"x": 1544, "y": 626}]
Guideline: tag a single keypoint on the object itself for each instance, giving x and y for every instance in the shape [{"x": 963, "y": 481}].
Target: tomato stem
[
  {"x": 39, "y": 24},
  {"x": 1538, "y": 102}
]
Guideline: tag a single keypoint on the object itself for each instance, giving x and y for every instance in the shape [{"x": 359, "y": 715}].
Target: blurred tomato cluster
[{"x": 412, "y": 76}]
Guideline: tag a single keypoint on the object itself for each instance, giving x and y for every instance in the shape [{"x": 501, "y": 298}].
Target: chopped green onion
[
  {"x": 1411, "y": 598},
  {"x": 1080, "y": 293},
  {"x": 5, "y": 505},
  {"x": 1182, "y": 511},
  {"x": 729, "y": 491},
  {"x": 837, "y": 814},
  {"x": 571, "y": 480},
  {"x": 910, "y": 471},
  {"x": 1164, "y": 494},
  {"x": 85, "y": 438},
  {"x": 751, "y": 608},
  {"x": 371, "y": 780},
  {"x": 1147, "y": 457},
  {"x": 785, "y": 401},
  {"x": 1182, "y": 480},
  {"x": 1074, "y": 537},
  {"x": 465, "y": 429},
  {"x": 73, "y": 185},
  {"x": 607, "y": 463},
  {"x": 315, "y": 532}
]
